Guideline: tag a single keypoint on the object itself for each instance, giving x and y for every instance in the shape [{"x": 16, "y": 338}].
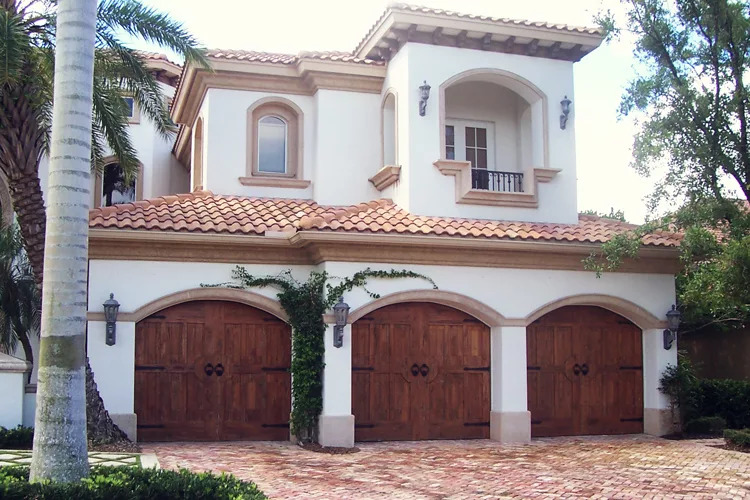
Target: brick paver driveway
[{"x": 610, "y": 467}]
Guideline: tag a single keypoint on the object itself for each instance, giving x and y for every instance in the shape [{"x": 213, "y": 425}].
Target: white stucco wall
[{"x": 348, "y": 148}]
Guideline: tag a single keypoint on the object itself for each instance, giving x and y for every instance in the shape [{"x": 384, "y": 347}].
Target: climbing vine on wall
[{"x": 305, "y": 303}]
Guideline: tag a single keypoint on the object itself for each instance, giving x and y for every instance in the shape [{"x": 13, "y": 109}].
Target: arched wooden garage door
[
  {"x": 420, "y": 371},
  {"x": 585, "y": 373},
  {"x": 211, "y": 370}
]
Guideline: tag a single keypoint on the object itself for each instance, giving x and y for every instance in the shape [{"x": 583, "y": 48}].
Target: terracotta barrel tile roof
[
  {"x": 279, "y": 58},
  {"x": 205, "y": 212}
]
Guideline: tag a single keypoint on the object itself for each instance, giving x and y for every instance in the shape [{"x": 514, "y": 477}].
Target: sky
[{"x": 603, "y": 142}]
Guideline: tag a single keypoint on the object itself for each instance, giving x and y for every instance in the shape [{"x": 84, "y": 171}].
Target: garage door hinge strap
[
  {"x": 476, "y": 424},
  {"x": 275, "y": 369},
  {"x": 363, "y": 369},
  {"x": 639, "y": 419},
  {"x": 536, "y": 368},
  {"x": 631, "y": 368},
  {"x": 284, "y": 426},
  {"x": 476, "y": 368},
  {"x": 149, "y": 367}
]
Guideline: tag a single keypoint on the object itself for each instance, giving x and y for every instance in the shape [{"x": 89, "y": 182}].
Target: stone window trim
[
  {"x": 99, "y": 181},
  {"x": 292, "y": 115},
  {"x": 196, "y": 171}
]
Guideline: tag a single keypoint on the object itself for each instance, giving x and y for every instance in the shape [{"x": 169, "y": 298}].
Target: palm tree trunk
[
  {"x": 60, "y": 452},
  {"x": 27, "y": 351},
  {"x": 28, "y": 204}
]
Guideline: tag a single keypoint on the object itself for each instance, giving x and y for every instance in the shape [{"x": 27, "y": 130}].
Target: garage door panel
[
  {"x": 211, "y": 380},
  {"x": 601, "y": 391},
  {"x": 428, "y": 348}
]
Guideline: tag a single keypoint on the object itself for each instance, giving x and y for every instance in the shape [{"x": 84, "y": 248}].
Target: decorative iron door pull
[
  {"x": 576, "y": 369},
  {"x": 219, "y": 370},
  {"x": 415, "y": 369},
  {"x": 424, "y": 370},
  {"x": 209, "y": 369},
  {"x": 585, "y": 369}
]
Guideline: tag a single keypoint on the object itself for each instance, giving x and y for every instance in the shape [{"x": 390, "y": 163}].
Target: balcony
[
  {"x": 493, "y": 180},
  {"x": 478, "y": 186}
]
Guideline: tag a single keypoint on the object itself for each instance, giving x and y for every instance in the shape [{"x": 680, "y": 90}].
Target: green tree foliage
[
  {"x": 613, "y": 214},
  {"x": 691, "y": 102}
]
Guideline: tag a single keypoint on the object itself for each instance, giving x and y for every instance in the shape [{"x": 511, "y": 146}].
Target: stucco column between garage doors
[{"x": 336, "y": 423}]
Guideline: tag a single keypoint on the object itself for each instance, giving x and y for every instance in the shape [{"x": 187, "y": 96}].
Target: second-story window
[
  {"x": 450, "y": 142},
  {"x": 272, "y": 137},
  {"x": 115, "y": 189}
]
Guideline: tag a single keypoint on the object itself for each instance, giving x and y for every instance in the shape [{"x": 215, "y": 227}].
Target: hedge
[
  {"x": 738, "y": 438},
  {"x": 18, "y": 438},
  {"x": 712, "y": 426},
  {"x": 728, "y": 399},
  {"x": 128, "y": 483}
]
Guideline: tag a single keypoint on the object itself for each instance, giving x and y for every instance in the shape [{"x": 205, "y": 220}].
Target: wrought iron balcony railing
[{"x": 492, "y": 180}]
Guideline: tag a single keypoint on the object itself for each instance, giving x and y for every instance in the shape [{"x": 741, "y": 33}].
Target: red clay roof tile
[{"x": 204, "y": 212}]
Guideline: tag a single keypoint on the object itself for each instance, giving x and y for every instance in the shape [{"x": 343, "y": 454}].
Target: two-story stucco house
[{"x": 343, "y": 161}]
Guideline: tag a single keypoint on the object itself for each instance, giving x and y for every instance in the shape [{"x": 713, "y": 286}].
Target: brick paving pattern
[{"x": 633, "y": 467}]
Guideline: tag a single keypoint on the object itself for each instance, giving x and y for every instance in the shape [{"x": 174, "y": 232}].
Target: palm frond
[
  {"x": 110, "y": 120},
  {"x": 115, "y": 62},
  {"x": 14, "y": 45},
  {"x": 147, "y": 23}
]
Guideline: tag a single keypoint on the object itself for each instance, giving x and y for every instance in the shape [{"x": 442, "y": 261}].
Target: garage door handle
[
  {"x": 415, "y": 369},
  {"x": 585, "y": 369},
  {"x": 576, "y": 369},
  {"x": 219, "y": 370},
  {"x": 424, "y": 370},
  {"x": 209, "y": 369}
]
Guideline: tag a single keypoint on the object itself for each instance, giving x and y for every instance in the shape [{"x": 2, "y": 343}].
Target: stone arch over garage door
[
  {"x": 420, "y": 370},
  {"x": 209, "y": 370},
  {"x": 585, "y": 373}
]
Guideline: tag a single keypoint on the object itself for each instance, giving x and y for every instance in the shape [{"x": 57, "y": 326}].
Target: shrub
[
  {"x": 738, "y": 438},
  {"x": 706, "y": 425},
  {"x": 729, "y": 399},
  {"x": 128, "y": 483},
  {"x": 19, "y": 438}
]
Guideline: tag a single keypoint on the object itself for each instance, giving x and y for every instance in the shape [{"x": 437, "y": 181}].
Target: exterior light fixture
[
  {"x": 111, "y": 306},
  {"x": 341, "y": 313},
  {"x": 424, "y": 94},
  {"x": 673, "y": 323},
  {"x": 565, "y": 105}
]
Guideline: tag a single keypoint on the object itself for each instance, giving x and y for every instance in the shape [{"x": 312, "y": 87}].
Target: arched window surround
[{"x": 292, "y": 115}]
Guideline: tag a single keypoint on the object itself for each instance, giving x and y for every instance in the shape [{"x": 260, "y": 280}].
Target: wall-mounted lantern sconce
[
  {"x": 341, "y": 313},
  {"x": 673, "y": 323},
  {"x": 565, "y": 105},
  {"x": 111, "y": 306},
  {"x": 424, "y": 94}
]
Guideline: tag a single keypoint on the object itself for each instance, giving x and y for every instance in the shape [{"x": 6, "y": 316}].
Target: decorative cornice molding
[
  {"x": 385, "y": 177},
  {"x": 314, "y": 247}
]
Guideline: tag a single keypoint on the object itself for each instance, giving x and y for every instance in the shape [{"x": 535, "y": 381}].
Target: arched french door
[
  {"x": 212, "y": 370},
  {"x": 585, "y": 373},
  {"x": 420, "y": 371}
]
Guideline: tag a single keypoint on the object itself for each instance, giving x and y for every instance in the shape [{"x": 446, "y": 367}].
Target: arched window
[
  {"x": 272, "y": 139},
  {"x": 274, "y": 144},
  {"x": 115, "y": 188}
]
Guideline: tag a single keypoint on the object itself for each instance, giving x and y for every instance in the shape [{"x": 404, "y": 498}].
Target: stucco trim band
[{"x": 510, "y": 426}]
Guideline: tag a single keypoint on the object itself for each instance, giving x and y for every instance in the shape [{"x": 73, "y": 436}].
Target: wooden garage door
[
  {"x": 585, "y": 373},
  {"x": 210, "y": 370},
  {"x": 420, "y": 371}
]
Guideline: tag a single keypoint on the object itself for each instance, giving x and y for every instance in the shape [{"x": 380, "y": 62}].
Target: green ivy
[{"x": 305, "y": 303}]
